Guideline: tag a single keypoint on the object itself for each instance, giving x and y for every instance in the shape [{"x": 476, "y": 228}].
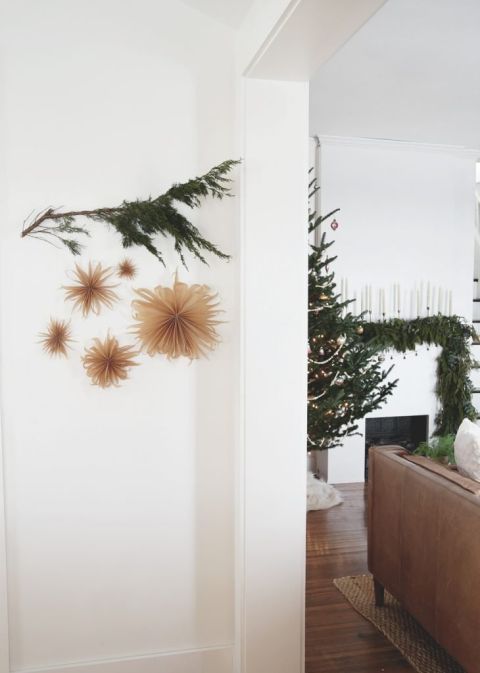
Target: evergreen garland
[
  {"x": 455, "y": 362},
  {"x": 138, "y": 222}
]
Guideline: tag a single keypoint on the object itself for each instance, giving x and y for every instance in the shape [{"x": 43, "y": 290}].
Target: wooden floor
[{"x": 338, "y": 639}]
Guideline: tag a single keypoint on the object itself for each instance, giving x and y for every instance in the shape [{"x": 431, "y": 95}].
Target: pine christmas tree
[{"x": 346, "y": 379}]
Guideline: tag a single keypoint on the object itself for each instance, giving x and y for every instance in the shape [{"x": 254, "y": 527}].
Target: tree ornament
[
  {"x": 334, "y": 224},
  {"x": 339, "y": 381},
  {"x": 381, "y": 358},
  {"x": 91, "y": 291},
  {"x": 139, "y": 222},
  {"x": 321, "y": 352},
  {"x": 359, "y": 329},
  {"x": 107, "y": 363},
  {"x": 176, "y": 321},
  {"x": 324, "y": 297},
  {"x": 126, "y": 269},
  {"x": 341, "y": 340},
  {"x": 56, "y": 340}
]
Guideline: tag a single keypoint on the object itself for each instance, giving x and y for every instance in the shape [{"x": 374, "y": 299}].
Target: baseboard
[{"x": 208, "y": 660}]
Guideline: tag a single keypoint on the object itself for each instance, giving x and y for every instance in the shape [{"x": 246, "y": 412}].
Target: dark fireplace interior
[{"x": 406, "y": 431}]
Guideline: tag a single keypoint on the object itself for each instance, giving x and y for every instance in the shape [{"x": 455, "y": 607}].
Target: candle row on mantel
[{"x": 424, "y": 299}]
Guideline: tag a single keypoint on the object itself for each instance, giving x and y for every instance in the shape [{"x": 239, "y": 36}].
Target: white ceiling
[
  {"x": 230, "y": 12},
  {"x": 412, "y": 72}
]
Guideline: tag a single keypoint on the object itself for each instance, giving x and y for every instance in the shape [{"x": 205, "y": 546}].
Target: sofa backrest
[{"x": 424, "y": 547}]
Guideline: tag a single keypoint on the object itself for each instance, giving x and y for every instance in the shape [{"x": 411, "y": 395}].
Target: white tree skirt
[{"x": 321, "y": 495}]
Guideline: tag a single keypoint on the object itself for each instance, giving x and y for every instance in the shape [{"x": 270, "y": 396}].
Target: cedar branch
[{"x": 139, "y": 222}]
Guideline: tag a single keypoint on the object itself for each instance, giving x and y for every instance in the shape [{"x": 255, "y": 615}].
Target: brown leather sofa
[{"x": 424, "y": 548}]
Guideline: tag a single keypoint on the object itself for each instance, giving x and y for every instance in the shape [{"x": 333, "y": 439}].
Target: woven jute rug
[{"x": 398, "y": 626}]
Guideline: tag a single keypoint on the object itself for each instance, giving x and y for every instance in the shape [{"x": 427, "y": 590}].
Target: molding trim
[
  {"x": 272, "y": 35},
  {"x": 240, "y": 434},
  {"x": 393, "y": 143},
  {"x": 4, "y": 639},
  {"x": 217, "y": 659}
]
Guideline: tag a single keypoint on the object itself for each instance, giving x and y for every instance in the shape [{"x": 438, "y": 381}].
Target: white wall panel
[{"x": 119, "y": 502}]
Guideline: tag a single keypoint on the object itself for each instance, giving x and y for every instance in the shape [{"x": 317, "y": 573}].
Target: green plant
[
  {"x": 438, "y": 448},
  {"x": 140, "y": 222}
]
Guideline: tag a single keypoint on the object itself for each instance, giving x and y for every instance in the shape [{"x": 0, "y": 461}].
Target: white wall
[
  {"x": 275, "y": 331},
  {"x": 119, "y": 502},
  {"x": 109, "y": 101},
  {"x": 407, "y": 215}
]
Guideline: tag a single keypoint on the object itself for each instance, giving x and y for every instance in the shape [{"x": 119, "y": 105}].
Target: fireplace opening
[{"x": 405, "y": 431}]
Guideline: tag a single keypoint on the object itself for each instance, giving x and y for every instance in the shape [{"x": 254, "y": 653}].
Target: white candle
[
  {"x": 440, "y": 300},
  {"x": 355, "y": 303},
  {"x": 361, "y": 300},
  {"x": 346, "y": 289},
  {"x": 342, "y": 293},
  {"x": 450, "y": 303},
  {"x": 434, "y": 297},
  {"x": 394, "y": 299},
  {"x": 419, "y": 303},
  {"x": 412, "y": 303},
  {"x": 370, "y": 298},
  {"x": 399, "y": 308},
  {"x": 428, "y": 296},
  {"x": 384, "y": 303}
]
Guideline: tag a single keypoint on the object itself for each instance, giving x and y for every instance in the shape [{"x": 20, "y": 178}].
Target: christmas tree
[{"x": 346, "y": 379}]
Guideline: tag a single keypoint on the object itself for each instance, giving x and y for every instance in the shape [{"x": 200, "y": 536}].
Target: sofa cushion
[{"x": 467, "y": 449}]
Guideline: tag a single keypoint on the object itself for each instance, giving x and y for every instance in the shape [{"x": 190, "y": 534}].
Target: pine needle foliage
[
  {"x": 439, "y": 448},
  {"x": 140, "y": 222},
  {"x": 454, "y": 387},
  {"x": 346, "y": 379}
]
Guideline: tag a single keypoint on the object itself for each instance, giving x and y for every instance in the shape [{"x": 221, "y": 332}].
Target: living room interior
[
  {"x": 160, "y": 163},
  {"x": 395, "y": 156}
]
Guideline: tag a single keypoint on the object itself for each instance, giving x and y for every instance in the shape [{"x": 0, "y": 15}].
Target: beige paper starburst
[
  {"x": 176, "y": 321},
  {"x": 107, "y": 363},
  {"x": 126, "y": 269},
  {"x": 91, "y": 291},
  {"x": 57, "y": 338}
]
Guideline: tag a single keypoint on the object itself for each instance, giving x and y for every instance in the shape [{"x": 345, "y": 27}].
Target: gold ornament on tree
[
  {"x": 91, "y": 291},
  {"x": 56, "y": 340},
  {"x": 126, "y": 269},
  {"x": 176, "y": 321},
  {"x": 107, "y": 363}
]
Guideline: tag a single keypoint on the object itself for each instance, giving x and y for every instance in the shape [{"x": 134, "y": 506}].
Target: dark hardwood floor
[{"x": 338, "y": 639}]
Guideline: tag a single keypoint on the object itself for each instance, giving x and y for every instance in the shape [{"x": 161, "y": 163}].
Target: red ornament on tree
[{"x": 334, "y": 224}]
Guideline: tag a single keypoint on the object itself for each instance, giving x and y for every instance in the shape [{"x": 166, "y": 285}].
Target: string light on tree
[{"x": 345, "y": 378}]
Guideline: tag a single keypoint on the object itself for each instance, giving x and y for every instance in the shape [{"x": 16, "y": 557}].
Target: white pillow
[
  {"x": 321, "y": 495},
  {"x": 467, "y": 449}
]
